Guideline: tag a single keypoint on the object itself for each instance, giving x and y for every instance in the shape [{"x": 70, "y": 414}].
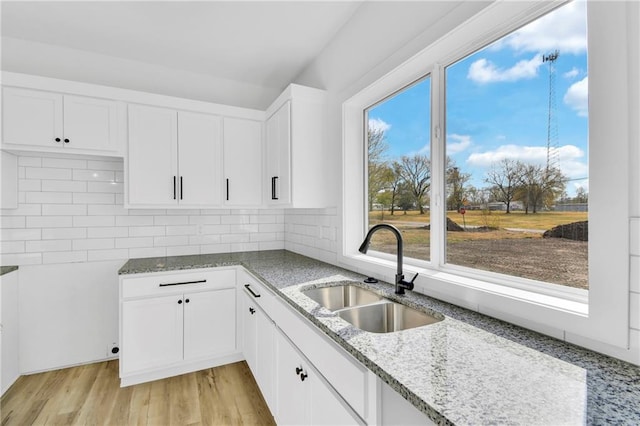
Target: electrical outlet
[{"x": 112, "y": 350}]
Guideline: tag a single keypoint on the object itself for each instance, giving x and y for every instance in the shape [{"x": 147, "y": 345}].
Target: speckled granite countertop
[
  {"x": 7, "y": 269},
  {"x": 467, "y": 369}
]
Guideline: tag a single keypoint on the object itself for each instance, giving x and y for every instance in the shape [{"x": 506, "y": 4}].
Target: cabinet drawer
[{"x": 167, "y": 283}]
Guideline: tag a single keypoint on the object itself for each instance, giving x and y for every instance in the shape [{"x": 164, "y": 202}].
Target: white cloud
[
  {"x": 484, "y": 71},
  {"x": 379, "y": 124},
  {"x": 457, "y": 143},
  {"x": 563, "y": 29},
  {"x": 570, "y": 158},
  {"x": 577, "y": 97},
  {"x": 571, "y": 74},
  {"x": 581, "y": 184}
]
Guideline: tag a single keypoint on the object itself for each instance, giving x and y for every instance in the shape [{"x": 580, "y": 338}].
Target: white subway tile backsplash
[
  {"x": 635, "y": 311},
  {"x": 63, "y": 186},
  {"x": 100, "y": 209},
  {"x": 117, "y": 165},
  {"x": 134, "y": 220},
  {"x": 94, "y": 244},
  {"x": 93, "y": 198},
  {"x": 181, "y": 240},
  {"x": 64, "y": 163},
  {"x": 94, "y": 175},
  {"x": 64, "y": 257},
  {"x": 134, "y": 242},
  {"x": 49, "y": 222},
  {"x": 47, "y": 173},
  {"x": 146, "y": 231},
  {"x": 12, "y": 222},
  {"x": 94, "y": 221},
  {"x": 29, "y": 185},
  {"x": 634, "y": 236},
  {"x": 48, "y": 246},
  {"x": 108, "y": 187},
  {"x": 171, "y": 220},
  {"x": 71, "y": 210},
  {"x": 147, "y": 252},
  {"x": 107, "y": 232},
  {"x": 97, "y": 255},
  {"x": 64, "y": 209},
  {"x": 63, "y": 233},
  {"x": 48, "y": 197},
  {"x": 12, "y": 247}
]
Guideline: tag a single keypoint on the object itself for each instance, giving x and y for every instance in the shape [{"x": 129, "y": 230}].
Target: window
[
  {"x": 595, "y": 318},
  {"x": 399, "y": 169},
  {"x": 516, "y": 170}
]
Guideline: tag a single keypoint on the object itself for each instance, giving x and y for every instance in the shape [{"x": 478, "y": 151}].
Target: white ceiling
[{"x": 263, "y": 43}]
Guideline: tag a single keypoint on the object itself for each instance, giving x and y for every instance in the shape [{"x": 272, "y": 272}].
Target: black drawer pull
[
  {"x": 248, "y": 287},
  {"x": 182, "y": 283}
]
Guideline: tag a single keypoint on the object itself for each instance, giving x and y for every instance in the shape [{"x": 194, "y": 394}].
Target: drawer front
[
  {"x": 257, "y": 292},
  {"x": 176, "y": 282}
]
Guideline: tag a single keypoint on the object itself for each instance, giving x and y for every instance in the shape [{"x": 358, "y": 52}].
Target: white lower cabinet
[
  {"x": 176, "y": 323},
  {"x": 304, "y": 398}
]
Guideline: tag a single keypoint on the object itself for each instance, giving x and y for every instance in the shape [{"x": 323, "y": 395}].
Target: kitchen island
[{"x": 466, "y": 369}]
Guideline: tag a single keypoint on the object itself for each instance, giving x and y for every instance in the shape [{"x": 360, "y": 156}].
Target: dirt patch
[
  {"x": 578, "y": 231},
  {"x": 553, "y": 260}
]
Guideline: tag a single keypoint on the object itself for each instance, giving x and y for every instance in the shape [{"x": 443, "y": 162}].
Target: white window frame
[{"x": 600, "y": 315}]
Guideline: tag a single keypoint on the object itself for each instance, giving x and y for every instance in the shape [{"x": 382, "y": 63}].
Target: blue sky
[{"x": 497, "y": 102}]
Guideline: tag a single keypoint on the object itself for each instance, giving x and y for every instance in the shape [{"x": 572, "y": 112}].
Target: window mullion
[{"x": 437, "y": 209}]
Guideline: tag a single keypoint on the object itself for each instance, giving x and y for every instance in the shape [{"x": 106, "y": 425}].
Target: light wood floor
[{"x": 91, "y": 395}]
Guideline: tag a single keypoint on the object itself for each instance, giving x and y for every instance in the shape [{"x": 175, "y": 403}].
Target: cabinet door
[
  {"x": 249, "y": 335},
  {"x": 90, "y": 123},
  {"x": 209, "y": 323},
  {"x": 290, "y": 389},
  {"x": 266, "y": 359},
  {"x": 326, "y": 408},
  {"x": 278, "y": 155},
  {"x": 199, "y": 159},
  {"x": 242, "y": 143},
  {"x": 152, "y": 161},
  {"x": 31, "y": 117},
  {"x": 152, "y": 332}
]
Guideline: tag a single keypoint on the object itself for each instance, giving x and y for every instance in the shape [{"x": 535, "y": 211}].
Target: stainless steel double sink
[{"x": 368, "y": 310}]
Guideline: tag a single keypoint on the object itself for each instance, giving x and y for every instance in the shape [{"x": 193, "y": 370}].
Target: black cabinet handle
[
  {"x": 174, "y": 187},
  {"x": 274, "y": 180},
  {"x": 180, "y": 302},
  {"x": 298, "y": 371},
  {"x": 186, "y": 301},
  {"x": 182, "y": 283},
  {"x": 181, "y": 192},
  {"x": 227, "y": 189},
  {"x": 252, "y": 311},
  {"x": 248, "y": 287},
  {"x": 66, "y": 140},
  {"x": 57, "y": 139},
  {"x": 303, "y": 376}
]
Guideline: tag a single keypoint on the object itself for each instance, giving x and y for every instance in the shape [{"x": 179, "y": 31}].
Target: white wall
[
  {"x": 70, "y": 235},
  {"x": 48, "y": 60},
  {"x": 344, "y": 74}
]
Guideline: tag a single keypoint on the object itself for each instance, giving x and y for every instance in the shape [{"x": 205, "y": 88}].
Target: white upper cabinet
[
  {"x": 242, "y": 162},
  {"x": 45, "y": 121},
  {"x": 174, "y": 158},
  {"x": 152, "y": 161},
  {"x": 296, "y": 171}
]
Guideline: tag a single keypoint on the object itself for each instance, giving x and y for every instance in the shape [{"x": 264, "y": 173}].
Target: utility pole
[{"x": 552, "y": 119}]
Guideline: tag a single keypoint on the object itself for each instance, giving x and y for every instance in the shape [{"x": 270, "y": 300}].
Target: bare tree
[
  {"x": 416, "y": 174},
  {"x": 505, "y": 178},
  {"x": 539, "y": 186},
  {"x": 456, "y": 181},
  {"x": 376, "y": 148}
]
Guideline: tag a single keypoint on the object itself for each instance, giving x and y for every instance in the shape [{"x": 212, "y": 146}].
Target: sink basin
[
  {"x": 339, "y": 297},
  {"x": 386, "y": 317}
]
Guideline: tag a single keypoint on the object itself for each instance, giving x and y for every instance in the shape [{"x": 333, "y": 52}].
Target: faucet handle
[{"x": 414, "y": 277}]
